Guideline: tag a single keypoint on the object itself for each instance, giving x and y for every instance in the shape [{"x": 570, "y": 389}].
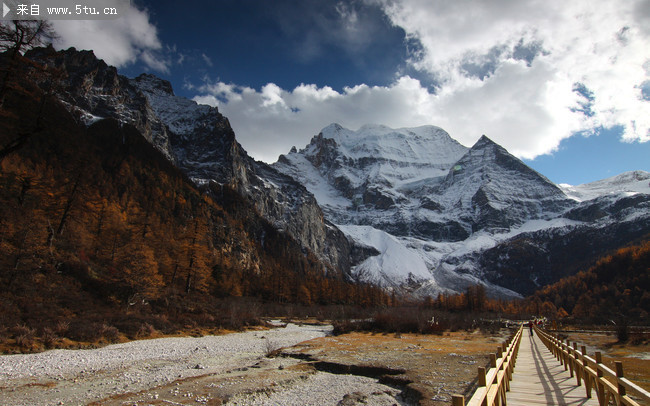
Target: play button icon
[{"x": 5, "y": 10}]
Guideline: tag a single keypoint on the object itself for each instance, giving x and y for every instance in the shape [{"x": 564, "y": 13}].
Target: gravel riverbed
[{"x": 71, "y": 377}]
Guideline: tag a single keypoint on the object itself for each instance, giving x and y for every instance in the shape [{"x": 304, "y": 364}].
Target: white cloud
[
  {"x": 526, "y": 73},
  {"x": 207, "y": 60},
  {"x": 268, "y": 122},
  {"x": 118, "y": 42},
  {"x": 602, "y": 45}
]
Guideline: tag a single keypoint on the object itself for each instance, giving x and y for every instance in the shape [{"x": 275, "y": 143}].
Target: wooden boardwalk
[{"x": 540, "y": 379}]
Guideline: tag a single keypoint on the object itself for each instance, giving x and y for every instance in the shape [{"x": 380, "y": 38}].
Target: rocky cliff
[{"x": 197, "y": 138}]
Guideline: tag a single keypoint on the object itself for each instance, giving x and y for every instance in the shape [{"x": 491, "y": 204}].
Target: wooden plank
[{"x": 539, "y": 378}]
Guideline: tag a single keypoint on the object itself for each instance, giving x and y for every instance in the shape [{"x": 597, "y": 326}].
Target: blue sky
[
  {"x": 582, "y": 159},
  {"x": 564, "y": 86},
  {"x": 252, "y": 43}
]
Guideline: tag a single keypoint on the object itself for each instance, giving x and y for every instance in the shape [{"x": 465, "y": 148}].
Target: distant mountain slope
[
  {"x": 616, "y": 288},
  {"x": 628, "y": 183}
]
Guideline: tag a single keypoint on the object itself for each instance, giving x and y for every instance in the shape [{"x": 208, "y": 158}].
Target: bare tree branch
[{"x": 23, "y": 35}]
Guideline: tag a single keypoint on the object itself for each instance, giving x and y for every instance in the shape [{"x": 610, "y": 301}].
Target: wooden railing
[
  {"x": 609, "y": 385},
  {"x": 494, "y": 383}
]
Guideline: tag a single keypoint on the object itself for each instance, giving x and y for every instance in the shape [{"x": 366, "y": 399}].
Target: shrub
[
  {"x": 25, "y": 341},
  {"x": 348, "y": 326},
  {"x": 24, "y": 336},
  {"x": 22, "y": 330},
  {"x": 145, "y": 330},
  {"x": 396, "y": 320},
  {"x": 271, "y": 348},
  {"x": 49, "y": 338},
  {"x": 109, "y": 333},
  {"x": 82, "y": 330},
  {"x": 61, "y": 328}
]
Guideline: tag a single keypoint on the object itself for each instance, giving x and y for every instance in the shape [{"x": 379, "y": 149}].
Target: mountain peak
[
  {"x": 494, "y": 189},
  {"x": 333, "y": 128},
  {"x": 71, "y": 58},
  {"x": 485, "y": 142},
  {"x": 154, "y": 84}
]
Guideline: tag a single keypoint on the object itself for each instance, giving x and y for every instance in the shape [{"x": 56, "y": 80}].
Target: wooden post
[
  {"x": 458, "y": 400},
  {"x": 619, "y": 374},
  {"x": 507, "y": 374},
  {"x": 576, "y": 364},
  {"x": 600, "y": 387},
  {"x": 570, "y": 360},
  {"x": 482, "y": 380},
  {"x": 599, "y": 360},
  {"x": 493, "y": 360},
  {"x": 482, "y": 383},
  {"x": 585, "y": 365}
]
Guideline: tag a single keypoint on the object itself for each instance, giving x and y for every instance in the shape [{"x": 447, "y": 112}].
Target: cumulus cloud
[
  {"x": 269, "y": 121},
  {"x": 600, "y": 45},
  {"x": 526, "y": 73},
  {"x": 118, "y": 42}
]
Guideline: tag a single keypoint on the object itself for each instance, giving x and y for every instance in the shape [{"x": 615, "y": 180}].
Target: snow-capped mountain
[
  {"x": 376, "y": 175},
  {"x": 440, "y": 216},
  {"x": 410, "y": 209},
  {"x": 626, "y": 183},
  {"x": 490, "y": 189}
]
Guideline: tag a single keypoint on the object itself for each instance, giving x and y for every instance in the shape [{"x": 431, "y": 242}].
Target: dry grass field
[
  {"x": 426, "y": 369},
  {"x": 430, "y": 367}
]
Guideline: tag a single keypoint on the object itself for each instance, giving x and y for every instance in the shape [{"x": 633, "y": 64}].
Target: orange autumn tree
[
  {"x": 138, "y": 274},
  {"x": 615, "y": 287}
]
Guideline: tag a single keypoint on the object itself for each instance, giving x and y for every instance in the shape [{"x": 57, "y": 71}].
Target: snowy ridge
[
  {"x": 432, "y": 209},
  {"x": 626, "y": 183},
  {"x": 363, "y": 176},
  {"x": 426, "y": 145},
  {"x": 397, "y": 157}
]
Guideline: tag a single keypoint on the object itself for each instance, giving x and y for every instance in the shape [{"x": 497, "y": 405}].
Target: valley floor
[
  {"x": 312, "y": 368},
  {"x": 205, "y": 370}
]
